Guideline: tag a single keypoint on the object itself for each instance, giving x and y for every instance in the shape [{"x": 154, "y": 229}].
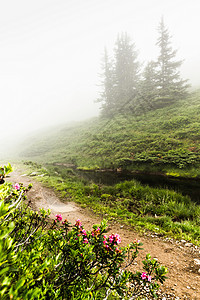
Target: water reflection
[{"x": 190, "y": 187}]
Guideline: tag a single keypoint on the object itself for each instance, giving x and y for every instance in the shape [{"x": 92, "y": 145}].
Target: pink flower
[
  {"x": 149, "y": 278},
  {"x": 78, "y": 223},
  {"x": 115, "y": 238},
  {"x": 105, "y": 242},
  {"x": 83, "y": 232},
  {"x": 59, "y": 217},
  {"x": 16, "y": 186},
  {"x": 85, "y": 241},
  {"x": 144, "y": 275},
  {"x": 111, "y": 238}
]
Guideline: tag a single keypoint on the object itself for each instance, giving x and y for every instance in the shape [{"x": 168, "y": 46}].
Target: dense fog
[{"x": 51, "y": 52}]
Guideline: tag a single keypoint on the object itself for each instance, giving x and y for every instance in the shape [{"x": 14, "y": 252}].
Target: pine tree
[
  {"x": 120, "y": 77},
  {"x": 147, "y": 93},
  {"x": 107, "y": 97},
  {"x": 126, "y": 72},
  {"x": 170, "y": 85}
]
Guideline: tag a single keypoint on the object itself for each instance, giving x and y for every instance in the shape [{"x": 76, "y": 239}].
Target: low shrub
[{"x": 50, "y": 259}]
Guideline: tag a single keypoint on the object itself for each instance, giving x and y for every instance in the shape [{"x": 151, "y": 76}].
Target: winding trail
[{"x": 183, "y": 278}]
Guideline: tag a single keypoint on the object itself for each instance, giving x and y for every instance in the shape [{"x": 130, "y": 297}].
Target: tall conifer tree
[
  {"x": 126, "y": 72},
  {"x": 107, "y": 96},
  {"x": 170, "y": 85},
  {"x": 147, "y": 93},
  {"x": 120, "y": 77}
]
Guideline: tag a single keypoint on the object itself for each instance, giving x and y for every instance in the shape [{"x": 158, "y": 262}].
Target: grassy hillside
[{"x": 165, "y": 140}]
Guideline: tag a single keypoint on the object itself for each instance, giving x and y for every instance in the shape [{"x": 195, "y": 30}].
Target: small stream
[
  {"x": 185, "y": 186},
  {"x": 190, "y": 187}
]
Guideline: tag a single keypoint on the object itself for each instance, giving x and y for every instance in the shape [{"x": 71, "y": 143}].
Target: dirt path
[{"x": 184, "y": 276}]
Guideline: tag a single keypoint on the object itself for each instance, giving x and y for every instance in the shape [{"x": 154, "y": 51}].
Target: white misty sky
[{"x": 51, "y": 50}]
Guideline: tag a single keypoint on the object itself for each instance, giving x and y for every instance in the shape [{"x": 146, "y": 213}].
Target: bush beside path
[{"x": 181, "y": 258}]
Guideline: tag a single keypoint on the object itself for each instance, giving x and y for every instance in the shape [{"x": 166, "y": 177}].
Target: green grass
[
  {"x": 163, "y": 211},
  {"x": 165, "y": 140}
]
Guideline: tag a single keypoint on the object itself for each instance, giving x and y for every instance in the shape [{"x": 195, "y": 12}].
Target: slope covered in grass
[{"x": 164, "y": 139}]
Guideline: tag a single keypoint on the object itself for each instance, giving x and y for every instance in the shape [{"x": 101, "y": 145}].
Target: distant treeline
[{"x": 126, "y": 87}]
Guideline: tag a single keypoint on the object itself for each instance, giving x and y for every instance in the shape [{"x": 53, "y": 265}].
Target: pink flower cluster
[
  {"x": 16, "y": 186},
  {"x": 78, "y": 223},
  {"x": 114, "y": 238},
  {"x": 82, "y": 231},
  {"x": 105, "y": 242},
  {"x": 145, "y": 276},
  {"x": 58, "y": 217}
]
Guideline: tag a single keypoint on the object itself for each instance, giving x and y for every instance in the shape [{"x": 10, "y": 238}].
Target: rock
[
  {"x": 188, "y": 244},
  {"x": 197, "y": 262},
  {"x": 195, "y": 265},
  {"x": 183, "y": 241}
]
